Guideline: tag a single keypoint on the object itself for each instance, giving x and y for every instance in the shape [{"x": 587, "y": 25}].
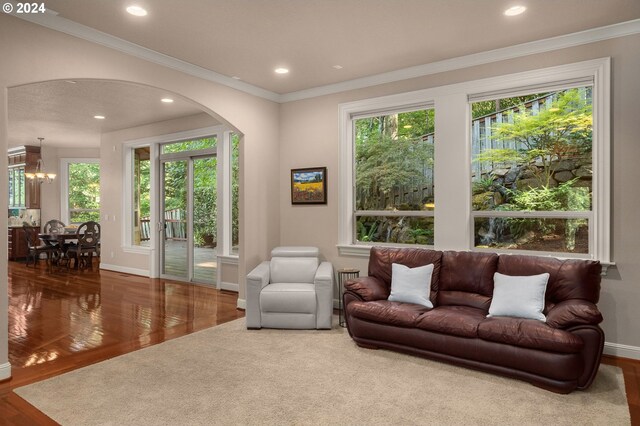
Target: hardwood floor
[{"x": 63, "y": 320}]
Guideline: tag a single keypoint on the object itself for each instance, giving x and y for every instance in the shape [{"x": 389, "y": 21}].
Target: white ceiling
[
  {"x": 62, "y": 112},
  {"x": 249, "y": 38}
]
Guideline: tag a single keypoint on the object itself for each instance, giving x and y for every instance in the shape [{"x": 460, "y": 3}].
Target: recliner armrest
[
  {"x": 257, "y": 279},
  {"x": 259, "y": 276},
  {"x": 323, "y": 282},
  {"x": 368, "y": 288},
  {"x": 573, "y": 312},
  {"x": 324, "y": 275}
]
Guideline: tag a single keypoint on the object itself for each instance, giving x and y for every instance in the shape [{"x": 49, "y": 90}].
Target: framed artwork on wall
[{"x": 309, "y": 186}]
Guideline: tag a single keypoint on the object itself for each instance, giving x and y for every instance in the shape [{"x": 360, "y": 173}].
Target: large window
[
  {"x": 521, "y": 163},
  {"x": 394, "y": 177},
  {"x": 532, "y": 171},
  {"x": 81, "y": 190}
]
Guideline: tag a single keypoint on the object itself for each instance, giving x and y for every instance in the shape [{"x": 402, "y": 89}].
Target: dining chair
[
  {"x": 35, "y": 249},
  {"x": 88, "y": 236},
  {"x": 53, "y": 227}
]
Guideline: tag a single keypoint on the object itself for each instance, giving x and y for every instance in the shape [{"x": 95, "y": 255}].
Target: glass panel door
[
  {"x": 189, "y": 213},
  {"x": 174, "y": 243},
  {"x": 204, "y": 219}
]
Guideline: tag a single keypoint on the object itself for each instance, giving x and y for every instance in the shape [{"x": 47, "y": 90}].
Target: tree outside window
[
  {"x": 84, "y": 192},
  {"x": 532, "y": 172},
  {"x": 394, "y": 178}
]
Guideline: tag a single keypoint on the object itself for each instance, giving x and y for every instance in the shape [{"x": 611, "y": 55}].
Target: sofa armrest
[
  {"x": 368, "y": 288},
  {"x": 256, "y": 280},
  {"x": 570, "y": 313},
  {"x": 323, "y": 282}
]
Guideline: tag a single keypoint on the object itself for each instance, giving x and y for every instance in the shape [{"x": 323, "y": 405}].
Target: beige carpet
[{"x": 228, "y": 375}]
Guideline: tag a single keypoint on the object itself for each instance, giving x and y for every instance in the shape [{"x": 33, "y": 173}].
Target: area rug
[{"x": 232, "y": 376}]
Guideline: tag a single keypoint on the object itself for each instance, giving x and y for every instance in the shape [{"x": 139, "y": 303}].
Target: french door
[{"x": 188, "y": 213}]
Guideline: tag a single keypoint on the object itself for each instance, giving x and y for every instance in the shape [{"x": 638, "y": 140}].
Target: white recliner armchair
[{"x": 292, "y": 290}]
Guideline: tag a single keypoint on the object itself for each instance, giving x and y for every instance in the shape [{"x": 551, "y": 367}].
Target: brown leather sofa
[{"x": 561, "y": 354}]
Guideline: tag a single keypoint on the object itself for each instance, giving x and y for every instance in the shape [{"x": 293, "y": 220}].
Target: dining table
[{"x": 60, "y": 240}]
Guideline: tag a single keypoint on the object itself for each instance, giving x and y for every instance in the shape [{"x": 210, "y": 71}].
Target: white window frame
[
  {"x": 452, "y": 156},
  {"x": 64, "y": 184},
  {"x": 384, "y": 213},
  {"x": 222, "y": 150}
]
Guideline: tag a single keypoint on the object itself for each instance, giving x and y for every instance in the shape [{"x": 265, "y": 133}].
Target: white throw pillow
[
  {"x": 519, "y": 296},
  {"x": 411, "y": 285}
]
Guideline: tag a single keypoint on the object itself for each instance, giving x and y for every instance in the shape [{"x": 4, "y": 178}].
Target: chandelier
[{"x": 39, "y": 173}]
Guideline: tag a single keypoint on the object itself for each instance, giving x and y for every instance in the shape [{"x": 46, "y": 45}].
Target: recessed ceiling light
[
  {"x": 167, "y": 100},
  {"x": 99, "y": 117},
  {"x": 136, "y": 11},
  {"x": 281, "y": 71},
  {"x": 71, "y": 81},
  {"x": 337, "y": 67},
  {"x": 515, "y": 10},
  {"x": 235, "y": 77}
]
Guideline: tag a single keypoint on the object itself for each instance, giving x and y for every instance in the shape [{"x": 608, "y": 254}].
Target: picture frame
[{"x": 309, "y": 185}]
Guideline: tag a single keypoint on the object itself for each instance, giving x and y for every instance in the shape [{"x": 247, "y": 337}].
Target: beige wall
[
  {"x": 64, "y": 57},
  {"x": 309, "y": 137}
]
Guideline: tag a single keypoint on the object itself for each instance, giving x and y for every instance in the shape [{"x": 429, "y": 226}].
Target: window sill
[{"x": 230, "y": 259}]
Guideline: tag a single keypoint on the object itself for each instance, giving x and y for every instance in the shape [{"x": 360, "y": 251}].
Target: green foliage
[
  {"x": 498, "y": 155},
  {"x": 189, "y": 145},
  {"x": 235, "y": 189},
  {"x": 564, "y": 197},
  {"x": 84, "y": 191},
  {"x": 483, "y": 108},
  {"x": 560, "y": 131},
  {"x": 365, "y": 233},
  {"x": 483, "y": 185},
  {"x": 391, "y": 151}
]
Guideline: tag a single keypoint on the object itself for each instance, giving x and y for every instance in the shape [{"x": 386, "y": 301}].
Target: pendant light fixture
[{"x": 39, "y": 173}]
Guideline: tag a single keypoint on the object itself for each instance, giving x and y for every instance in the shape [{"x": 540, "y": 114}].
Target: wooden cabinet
[
  {"x": 17, "y": 247},
  {"x": 26, "y": 160}
]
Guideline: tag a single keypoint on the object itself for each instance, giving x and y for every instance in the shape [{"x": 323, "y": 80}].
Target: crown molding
[
  {"x": 58, "y": 23},
  {"x": 511, "y": 52}
]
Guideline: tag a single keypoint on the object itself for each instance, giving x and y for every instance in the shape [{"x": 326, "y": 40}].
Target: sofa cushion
[
  {"x": 381, "y": 259},
  {"x": 466, "y": 279},
  {"x": 411, "y": 285},
  {"x": 519, "y": 296},
  {"x": 289, "y": 297},
  {"x": 456, "y": 320},
  {"x": 386, "y": 312},
  {"x": 528, "y": 333}
]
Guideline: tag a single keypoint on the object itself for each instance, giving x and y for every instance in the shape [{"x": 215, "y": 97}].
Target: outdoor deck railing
[{"x": 175, "y": 225}]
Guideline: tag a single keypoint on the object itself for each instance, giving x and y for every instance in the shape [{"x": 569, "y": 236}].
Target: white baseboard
[
  {"x": 623, "y": 351},
  {"x": 5, "y": 371},
  {"x": 242, "y": 304},
  {"x": 126, "y": 270},
  {"x": 229, "y": 286}
]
